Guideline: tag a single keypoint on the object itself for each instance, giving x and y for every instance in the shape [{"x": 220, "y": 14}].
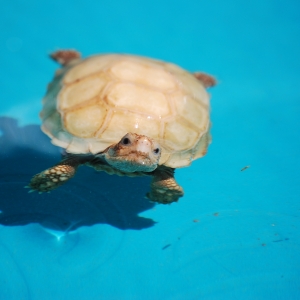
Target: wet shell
[{"x": 92, "y": 103}]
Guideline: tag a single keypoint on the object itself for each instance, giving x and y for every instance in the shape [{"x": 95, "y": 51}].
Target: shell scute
[
  {"x": 123, "y": 121},
  {"x": 80, "y": 92},
  {"x": 178, "y": 136},
  {"x": 128, "y": 96},
  {"x": 144, "y": 72},
  {"x": 89, "y": 66},
  {"x": 193, "y": 111},
  {"x": 84, "y": 122}
]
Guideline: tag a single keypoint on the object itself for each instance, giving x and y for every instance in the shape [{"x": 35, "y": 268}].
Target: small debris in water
[
  {"x": 263, "y": 245},
  {"x": 165, "y": 247},
  {"x": 286, "y": 239},
  {"x": 245, "y": 168},
  {"x": 216, "y": 214},
  {"x": 196, "y": 221}
]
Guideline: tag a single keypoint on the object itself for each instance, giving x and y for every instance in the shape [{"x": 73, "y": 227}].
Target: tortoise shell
[{"x": 92, "y": 103}]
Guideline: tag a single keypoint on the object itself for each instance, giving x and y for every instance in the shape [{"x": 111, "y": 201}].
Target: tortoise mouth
[
  {"x": 133, "y": 155},
  {"x": 134, "y": 161}
]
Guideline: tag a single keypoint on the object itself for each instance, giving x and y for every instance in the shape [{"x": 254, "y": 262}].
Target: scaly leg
[
  {"x": 164, "y": 188},
  {"x": 64, "y": 57},
  {"x": 57, "y": 175},
  {"x": 206, "y": 79}
]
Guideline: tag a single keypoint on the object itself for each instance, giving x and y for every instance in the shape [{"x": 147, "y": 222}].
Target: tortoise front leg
[
  {"x": 57, "y": 175},
  {"x": 164, "y": 188}
]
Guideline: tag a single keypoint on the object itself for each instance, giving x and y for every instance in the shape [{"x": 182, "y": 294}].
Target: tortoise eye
[
  {"x": 126, "y": 141},
  {"x": 156, "y": 151}
]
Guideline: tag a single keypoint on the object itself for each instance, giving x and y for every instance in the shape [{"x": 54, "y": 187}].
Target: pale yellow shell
[{"x": 93, "y": 103}]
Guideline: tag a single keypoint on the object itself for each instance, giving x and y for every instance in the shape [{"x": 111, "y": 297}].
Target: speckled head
[{"x": 134, "y": 153}]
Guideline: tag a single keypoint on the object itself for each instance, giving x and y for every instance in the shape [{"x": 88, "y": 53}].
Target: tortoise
[{"x": 125, "y": 115}]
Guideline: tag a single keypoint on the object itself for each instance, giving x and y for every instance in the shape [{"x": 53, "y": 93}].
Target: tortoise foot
[
  {"x": 165, "y": 191},
  {"x": 51, "y": 178},
  {"x": 207, "y": 80},
  {"x": 64, "y": 57}
]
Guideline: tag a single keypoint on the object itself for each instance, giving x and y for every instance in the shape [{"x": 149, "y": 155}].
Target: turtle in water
[{"x": 125, "y": 115}]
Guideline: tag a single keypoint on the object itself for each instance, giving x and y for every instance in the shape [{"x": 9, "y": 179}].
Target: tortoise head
[{"x": 133, "y": 153}]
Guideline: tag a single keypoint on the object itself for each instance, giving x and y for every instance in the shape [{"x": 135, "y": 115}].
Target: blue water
[{"x": 234, "y": 235}]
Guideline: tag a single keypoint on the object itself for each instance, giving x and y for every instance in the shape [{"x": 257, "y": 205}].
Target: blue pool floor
[{"x": 234, "y": 235}]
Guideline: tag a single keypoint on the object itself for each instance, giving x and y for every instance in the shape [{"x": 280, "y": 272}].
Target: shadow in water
[{"x": 88, "y": 199}]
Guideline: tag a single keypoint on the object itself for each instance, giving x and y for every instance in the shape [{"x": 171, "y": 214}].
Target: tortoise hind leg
[
  {"x": 57, "y": 175},
  {"x": 64, "y": 57},
  {"x": 164, "y": 188},
  {"x": 206, "y": 79}
]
